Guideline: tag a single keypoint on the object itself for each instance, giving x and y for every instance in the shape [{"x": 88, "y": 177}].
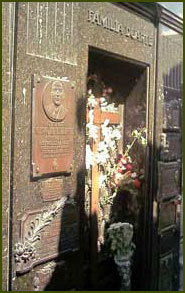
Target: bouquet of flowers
[{"x": 119, "y": 172}]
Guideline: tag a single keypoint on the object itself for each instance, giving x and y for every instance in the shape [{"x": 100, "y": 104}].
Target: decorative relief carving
[
  {"x": 51, "y": 33},
  {"x": 40, "y": 234},
  {"x": 53, "y": 103},
  {"x": 52, "y": 126}
]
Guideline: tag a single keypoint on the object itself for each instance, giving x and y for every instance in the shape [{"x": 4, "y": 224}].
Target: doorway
[{"x": 116, "y": 122}]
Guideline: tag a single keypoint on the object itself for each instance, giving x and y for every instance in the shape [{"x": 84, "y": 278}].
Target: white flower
[
  {"x": 91, "y": 116},
  {"x": 91, "y": 102},
  {"x": 103, "y": 102},
  {"x": 123, "y": 167},
  {"x": 89, "y": 157},
  {"x": 102, "y": 146},
  {"x": 112, "y": 144},
  {"x": 118, "y": 176},
  {"x": 134, "y": 175},
  {"x": 106, "y": 122},
  {"x": 90, "y": 91},
  {"x": 143, "y": 140},
  {"x": 124, "y": 161},
  {"x": 129, "y": 159},
  {"x": 102, "y": 179},
  {"x": 92, "y": 131},
  {"x": 116, "y": 134},
  {"x": 135, "y": 133},
  {"x": 102, "y": 157}
]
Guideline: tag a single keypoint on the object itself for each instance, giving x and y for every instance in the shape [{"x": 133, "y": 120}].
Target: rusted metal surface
[{"x": 52, "y": 126}]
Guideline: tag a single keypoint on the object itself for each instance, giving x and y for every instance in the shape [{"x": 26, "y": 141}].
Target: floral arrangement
[
  {"x": 116, "y": 171},
  {"x": 120, "y": 172}
]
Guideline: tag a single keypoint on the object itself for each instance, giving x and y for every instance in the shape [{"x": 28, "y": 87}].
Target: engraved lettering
[
  {"x": 90, "y": 15},
  {"x": 117, "y": 27},
  {"x": 104, "y": 21},
  {"x": 96, "y": 18}
]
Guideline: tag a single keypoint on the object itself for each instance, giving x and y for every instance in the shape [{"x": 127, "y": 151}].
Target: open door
[{"x": 115, "y": 138}]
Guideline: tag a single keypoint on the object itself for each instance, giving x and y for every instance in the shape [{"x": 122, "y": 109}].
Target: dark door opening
[{"x": 117, "y": 99}]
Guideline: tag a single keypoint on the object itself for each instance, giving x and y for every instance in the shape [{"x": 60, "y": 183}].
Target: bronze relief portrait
[{"x": 53, "y": 101}]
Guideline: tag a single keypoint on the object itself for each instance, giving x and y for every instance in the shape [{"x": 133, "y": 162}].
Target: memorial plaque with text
[
  {"x": 168, "y": 180},
  {"x": 52, "y": 126},
  {"x": 51, "y": 189}
]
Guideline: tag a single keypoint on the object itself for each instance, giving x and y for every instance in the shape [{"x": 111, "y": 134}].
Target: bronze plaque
[
  {"x": 171, "y": 146},
  {"x": 51, "y": 189},
  {"x": 52, "y": 126},
  {"x": 59, "y": 236},
  {"x": 167, "y": 215},
  {"x": 166, "y": 273},
  {"x": 168, "y": 180},
  {"x": 171, "y": 109}
]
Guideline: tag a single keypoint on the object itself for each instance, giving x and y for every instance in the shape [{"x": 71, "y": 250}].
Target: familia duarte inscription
[
  {"x": 97, "y": 18},
  {"x": 52, "y": 126}
]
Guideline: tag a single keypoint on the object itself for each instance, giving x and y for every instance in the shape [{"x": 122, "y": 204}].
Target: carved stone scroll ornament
[{"x": 26, "y": 251}]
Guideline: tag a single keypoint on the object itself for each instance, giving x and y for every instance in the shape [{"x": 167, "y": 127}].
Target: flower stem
[{"x": 134, "y": 140}]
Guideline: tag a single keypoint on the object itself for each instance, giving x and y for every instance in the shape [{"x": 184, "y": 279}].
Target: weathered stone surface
[
  {"x": 167, "y": 216},
  {"x": 8, "y": 10},
  {"x": 172, "y": 109},
  {"x": 51, "y": 189},
  {"x": 166, "y": 273},
  {"x": 171, "y": 146},
  {"x": 168, "y": 180}
]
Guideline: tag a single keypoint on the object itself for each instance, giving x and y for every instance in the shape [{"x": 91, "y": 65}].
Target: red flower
[
  {"x": 137, "y": 183},
  {"x": 129, "y": 166}
]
